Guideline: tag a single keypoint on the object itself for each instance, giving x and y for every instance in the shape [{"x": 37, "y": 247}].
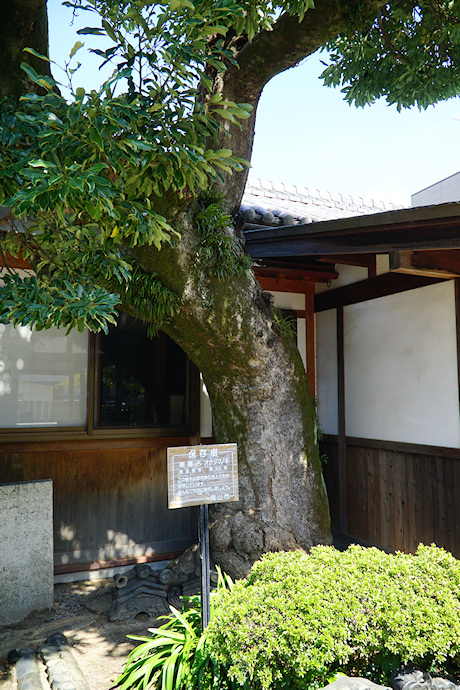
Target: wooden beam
[
  {"x": 323, "y": 268},
  {"x": 311, "y": 274},
  {"x": 331, "y": 246},
  {"x": 341, "y": 436},
  {"x": 372, "y": 288},
  {"x": 282, "y": 284},
  {"x": 443, "y": 263},
  {"x": 310, "y": 339},
  {"x": 372, "y": 270},
  {"x": 365, "y": 260},
  {"x": 457, "y": 324}
]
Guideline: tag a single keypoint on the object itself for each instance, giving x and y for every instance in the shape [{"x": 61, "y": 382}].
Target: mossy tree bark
[{"x": 260, "y": 399}]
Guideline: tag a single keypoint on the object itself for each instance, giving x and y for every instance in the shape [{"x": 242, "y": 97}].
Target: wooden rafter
[
  {"x": 372, "y": 288},
  {"x": 441, "y": 263}
]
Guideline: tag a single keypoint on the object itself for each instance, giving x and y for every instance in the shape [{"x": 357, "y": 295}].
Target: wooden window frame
[{"x": 90, "y": 431}]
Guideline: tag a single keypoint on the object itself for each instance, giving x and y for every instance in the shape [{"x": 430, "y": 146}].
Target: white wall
[
  {"x": 347, "y": 275},
  {"x": 326, "y": 350},
  {"x": 205, "y": 411},
  {"x": 401, "y": 367},
  {"x": 441, "y": 192},
  {"x": 326, "y": 370},
  {"x": 294, "y": 301}
]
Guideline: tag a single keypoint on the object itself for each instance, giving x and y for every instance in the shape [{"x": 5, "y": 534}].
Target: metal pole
[{"x": 205, "y": 567}]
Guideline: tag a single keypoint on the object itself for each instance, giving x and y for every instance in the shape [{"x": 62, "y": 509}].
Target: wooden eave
[{"x": 423, "y": 228}]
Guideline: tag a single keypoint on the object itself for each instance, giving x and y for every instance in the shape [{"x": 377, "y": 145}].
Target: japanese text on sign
[{"x": 202, "y": 474}]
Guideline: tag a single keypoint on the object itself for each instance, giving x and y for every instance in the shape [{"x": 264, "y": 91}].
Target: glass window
[
  {"x": 43, "y": 377},
  {"x": 141, "y": 382}
]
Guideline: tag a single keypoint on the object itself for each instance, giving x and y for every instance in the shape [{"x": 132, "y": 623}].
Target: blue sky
[{"x": 307, "y": 135}]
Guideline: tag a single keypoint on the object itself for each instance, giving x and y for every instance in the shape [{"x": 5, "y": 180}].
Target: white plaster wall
[
  {"x": 347, "y": 275},
  {"x": 289, "y": 300},
  {"x": 302, "y": 340},
  {"x": 205, "y": 411},
  {"x": 383, "y": 263},
  {"x": 295, "y": 301},
  {"x": 326, "y": 370},
  {"x": 401, "y": 368}
]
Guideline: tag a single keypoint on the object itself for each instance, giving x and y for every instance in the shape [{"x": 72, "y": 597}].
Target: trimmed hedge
[{"x": 298, "y": 619}]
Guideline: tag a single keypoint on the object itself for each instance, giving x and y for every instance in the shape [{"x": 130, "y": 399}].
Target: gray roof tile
[{"x": 276, "y": 203}]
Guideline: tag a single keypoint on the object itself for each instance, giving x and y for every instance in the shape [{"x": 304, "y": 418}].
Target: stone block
[{"x": 26, "y": 549}]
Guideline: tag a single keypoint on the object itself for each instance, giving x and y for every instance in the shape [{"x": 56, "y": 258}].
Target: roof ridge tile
[{"x": 295, "y": 193}]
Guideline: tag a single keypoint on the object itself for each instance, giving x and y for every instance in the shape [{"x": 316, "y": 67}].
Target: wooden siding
[
  {"x": 110, "y": 498},
  {"x": 397, "y": 495}
]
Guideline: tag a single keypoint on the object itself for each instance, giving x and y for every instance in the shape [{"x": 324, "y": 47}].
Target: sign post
[
  {"x": 199, "y": 475},
  {"x": 205, "y": 567}
]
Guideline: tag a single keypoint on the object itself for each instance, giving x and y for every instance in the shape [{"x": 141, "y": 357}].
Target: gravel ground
[{"x": 80, "y": 613}]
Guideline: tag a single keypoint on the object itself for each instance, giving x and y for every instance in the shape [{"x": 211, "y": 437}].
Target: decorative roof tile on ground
[{"x": 272, "y": 203}]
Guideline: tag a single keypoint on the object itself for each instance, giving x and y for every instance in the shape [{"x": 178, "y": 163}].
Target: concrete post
[{"x": 26, "y": 549}]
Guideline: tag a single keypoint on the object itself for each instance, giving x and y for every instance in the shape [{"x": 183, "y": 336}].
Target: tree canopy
[{"x": 108, "y": 170}]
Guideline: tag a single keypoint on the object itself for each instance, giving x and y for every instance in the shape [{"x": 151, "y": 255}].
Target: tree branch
[
  {"x": 273, "y": 52},
  {"x": 291, "y": 41}
]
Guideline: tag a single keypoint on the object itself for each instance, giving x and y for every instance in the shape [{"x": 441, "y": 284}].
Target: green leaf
[
  {"x": 91, "y": 31},
  {"x": 40, "y": 163},
  {"x": 75, "y": 48},
  {"x": 110, "y": 30},
  {"x": 31, "y": 73},
  {"x": 37, "y": 55},
  {"x": 96, "y": 138},
  {"x": 223, "y": 153}
]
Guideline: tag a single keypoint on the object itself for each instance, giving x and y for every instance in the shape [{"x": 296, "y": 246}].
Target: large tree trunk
[
  {"x": 23, "y": 24},
  {"x": 260, "y": 400}
]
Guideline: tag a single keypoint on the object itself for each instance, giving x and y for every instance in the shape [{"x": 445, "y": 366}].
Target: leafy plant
[
  {"x": 174, "y": 655},
  {"x": 299, "y": 619},
  {"x": 285, "y": 324},
  {"x": 105, "y": 172},
  {"x": 163, "y": 658},
  {"x": 218, "y": 250}
]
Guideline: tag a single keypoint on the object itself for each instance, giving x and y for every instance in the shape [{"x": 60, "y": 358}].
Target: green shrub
[{"x": 298, "y": 619}]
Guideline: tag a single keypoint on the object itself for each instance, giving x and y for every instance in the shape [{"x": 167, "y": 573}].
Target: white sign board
[{"x": 202, "y": 474}]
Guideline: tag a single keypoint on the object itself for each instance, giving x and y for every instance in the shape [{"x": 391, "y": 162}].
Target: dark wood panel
[
  {"x": 445, "y": 451},
  {"x": 329, "y": 450},
  {"x": 109, "y": 502},
  {"x": 397, "y": 498}
]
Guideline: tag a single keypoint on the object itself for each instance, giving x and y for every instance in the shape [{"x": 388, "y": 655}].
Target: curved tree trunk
[{"x": 260, "y": 400}]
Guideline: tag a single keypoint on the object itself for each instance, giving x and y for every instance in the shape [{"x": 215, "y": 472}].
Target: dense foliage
[
  {"x": 299, "y": 619},
  {"x": 104, "y": 172},
  {"x": 409, "y": 54},
  {"x": 91, "y": 174}
]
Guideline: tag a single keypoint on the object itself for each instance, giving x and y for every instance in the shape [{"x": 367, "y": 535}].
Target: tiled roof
[{"x": 271, "y": 203}]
